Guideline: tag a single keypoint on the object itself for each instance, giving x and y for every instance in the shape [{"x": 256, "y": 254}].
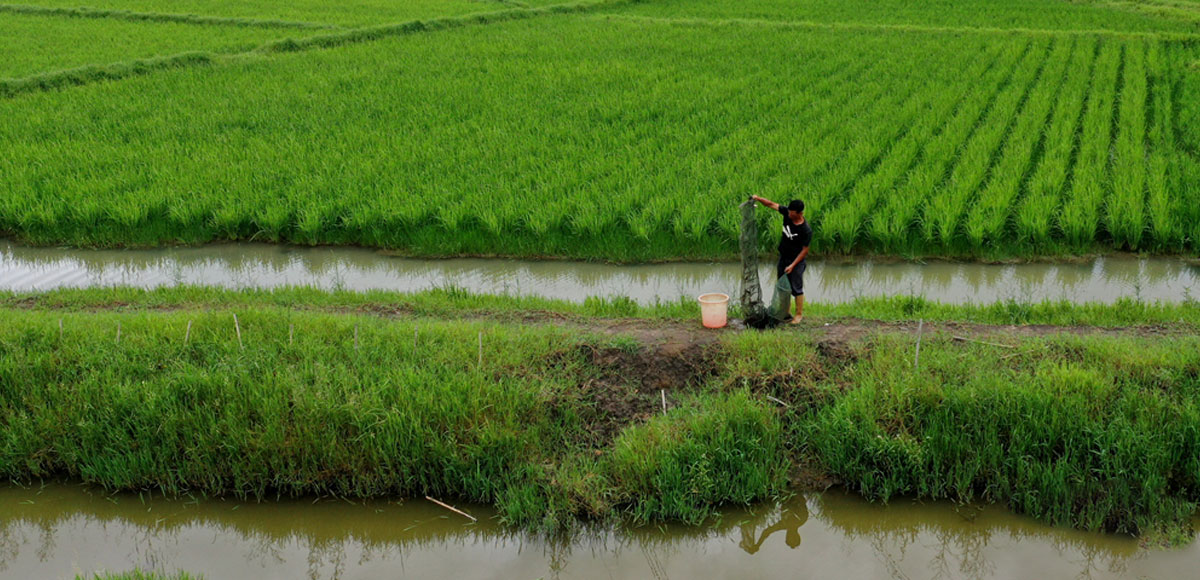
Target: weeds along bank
[
  {"x": 556, "y": 420},
  {"x": 633, "y": 134}
]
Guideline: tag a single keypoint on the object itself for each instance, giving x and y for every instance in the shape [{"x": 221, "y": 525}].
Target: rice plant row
[
  {"x": 987, "y": 218},
  {"x": 944, "y": 207},
  {"x": 1080, "y": 214},
  {"x": 843, "y": 224},
  {"x": 1035, "y": 214},
  {"x": 893, "y": 225}
]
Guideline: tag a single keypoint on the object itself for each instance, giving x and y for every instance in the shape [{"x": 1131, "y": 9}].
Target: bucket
[{"x": 713, "y": 309}]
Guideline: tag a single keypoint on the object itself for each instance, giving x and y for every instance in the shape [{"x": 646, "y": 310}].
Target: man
[{"x": 793, "y": 248}]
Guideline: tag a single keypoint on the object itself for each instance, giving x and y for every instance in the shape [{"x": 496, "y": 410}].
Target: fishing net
[
  {"x": 753, "y": 311},
  {"x": 781, "y": 301}
]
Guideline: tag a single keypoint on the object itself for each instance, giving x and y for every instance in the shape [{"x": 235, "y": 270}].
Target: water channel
[
  {"x": 267, "y": 266},
  {"x": 59, "y": 530}
]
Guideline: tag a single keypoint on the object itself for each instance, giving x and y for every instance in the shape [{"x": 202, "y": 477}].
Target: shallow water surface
[
  {"x": 268, "y": 266},
  {"x": 58, "y": 530}
]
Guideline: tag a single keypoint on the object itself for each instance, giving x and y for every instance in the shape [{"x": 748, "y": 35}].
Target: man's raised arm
[{"x": 765, "y": 202}]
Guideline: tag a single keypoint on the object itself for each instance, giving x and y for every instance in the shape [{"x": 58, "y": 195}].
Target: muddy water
[
  {"x": 262, "y": 265},
  {"x": 60, "y": 530}
]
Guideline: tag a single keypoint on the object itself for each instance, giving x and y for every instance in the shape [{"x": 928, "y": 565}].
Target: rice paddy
[
  {"x": 622, "y": 132},
  {"x": 34, "y": 44}
]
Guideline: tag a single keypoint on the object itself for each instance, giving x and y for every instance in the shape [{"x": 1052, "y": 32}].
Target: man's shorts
[{"x": 796, "y": 278}]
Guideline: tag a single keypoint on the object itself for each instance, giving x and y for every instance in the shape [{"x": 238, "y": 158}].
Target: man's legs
[{"x": 797, "y": 280}]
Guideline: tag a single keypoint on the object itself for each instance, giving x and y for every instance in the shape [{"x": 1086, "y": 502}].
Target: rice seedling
[{"x": 845, "y": 223}]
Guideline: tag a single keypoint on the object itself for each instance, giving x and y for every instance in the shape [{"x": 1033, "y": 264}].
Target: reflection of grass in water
[
  {"x": 139, "y": 575},
  {"x": 962, "y": 534}
]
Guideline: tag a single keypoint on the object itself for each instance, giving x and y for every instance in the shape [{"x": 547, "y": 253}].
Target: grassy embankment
[{"x": 562, "y": 419}]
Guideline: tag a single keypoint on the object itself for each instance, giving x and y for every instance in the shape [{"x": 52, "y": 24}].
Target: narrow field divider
[
  {"x": 102, "y": 72},
  {"x": 910, "y": 28},
  {"x": 120, "y": 70},
  {"x": 100, "y": 13}
]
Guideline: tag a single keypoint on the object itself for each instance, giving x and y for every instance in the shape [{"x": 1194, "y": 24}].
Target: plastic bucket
[{"x": 713, "y": 310}]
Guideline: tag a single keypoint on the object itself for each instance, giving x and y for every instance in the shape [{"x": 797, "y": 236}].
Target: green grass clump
[
  {"x": 714, "y": 450},
  {"x": 312, "y": 403},
  {"x": 1099, "y": 434}
]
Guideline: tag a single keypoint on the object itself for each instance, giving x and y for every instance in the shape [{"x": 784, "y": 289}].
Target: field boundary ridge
[
  {"x": 910, "y": 28},
  {"x": 78, "y": 76},
  {"x": 99, "y": 13}
]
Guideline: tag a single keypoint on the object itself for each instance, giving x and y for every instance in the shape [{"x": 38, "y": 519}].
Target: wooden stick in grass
[
  {"x": 118, "y": 333},
  {"x": 59, "y": 329},
  {"x": 965, "y": 339},
  {"x": 187, "y": 335},
  {"x": 663, "y": 392},
  {"x": 920, "y": 330},
  {"x": 291, "y": 332},
  {"x": 481, "y": 348},
  {"x": 355, "y": 337},
  {"x": 238, "y": 328},
  {"x": 453, "y": 509},
  {"x": 773, "y": 399}
]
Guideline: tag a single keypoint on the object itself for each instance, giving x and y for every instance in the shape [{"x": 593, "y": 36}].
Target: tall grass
[
  {"x": 1101, "y": 434},
  {"x": 139, "y": 575},
  {"x": 1098, "y": 432}
]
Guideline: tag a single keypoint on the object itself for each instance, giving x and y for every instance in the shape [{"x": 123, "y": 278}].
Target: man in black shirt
[{"x": 793, "y": 248}]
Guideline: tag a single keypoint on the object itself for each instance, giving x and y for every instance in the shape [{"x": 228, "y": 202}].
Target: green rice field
[{"x": 611, "y": 130}]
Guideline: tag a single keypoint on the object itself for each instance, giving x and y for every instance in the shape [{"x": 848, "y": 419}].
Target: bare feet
[{"x": 796, "y": 320}]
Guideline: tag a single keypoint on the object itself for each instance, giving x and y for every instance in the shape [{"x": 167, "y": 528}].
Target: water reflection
[
  {"x": 792, "y": 515},
  {"x": 265, "y": 266},
  {"x": 60, "y": 530}
]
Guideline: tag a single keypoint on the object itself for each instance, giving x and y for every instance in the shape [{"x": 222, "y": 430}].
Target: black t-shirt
[{"x": 794, "y": 238}]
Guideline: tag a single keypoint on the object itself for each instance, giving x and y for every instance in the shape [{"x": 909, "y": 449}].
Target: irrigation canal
[
  {"x": 266, "y": 266},
  {"x": 58, "y": 530}
]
